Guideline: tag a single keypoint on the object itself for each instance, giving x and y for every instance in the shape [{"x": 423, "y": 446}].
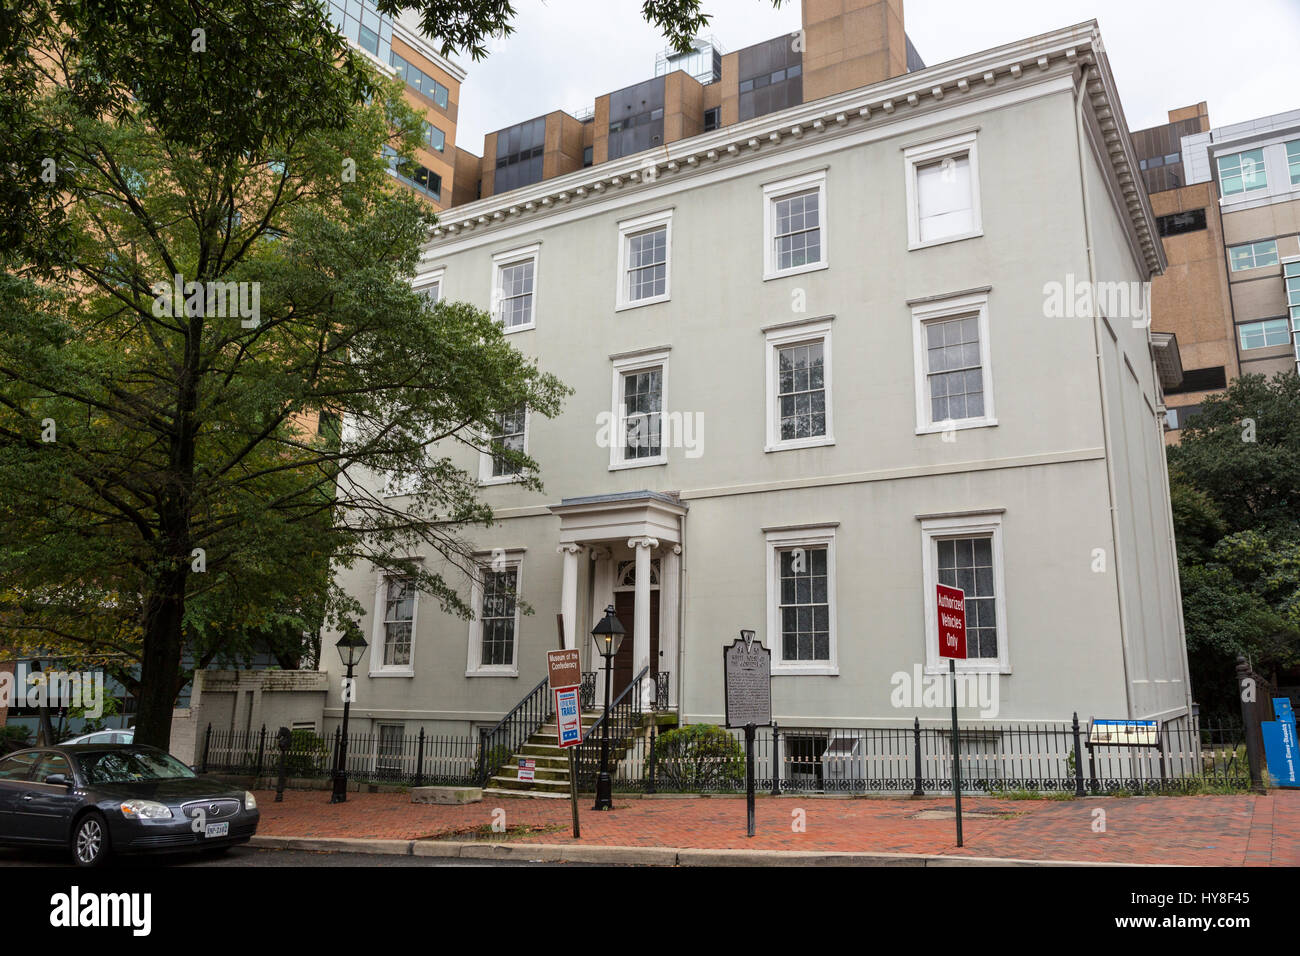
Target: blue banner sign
[{"x": 1280, "y": 745}]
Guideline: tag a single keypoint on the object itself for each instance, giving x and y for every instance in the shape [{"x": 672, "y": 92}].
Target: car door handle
[{"x": 29, "y": 796}]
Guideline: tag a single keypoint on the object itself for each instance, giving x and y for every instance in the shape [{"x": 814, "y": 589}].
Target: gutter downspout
[
  {"x": 1101, "y": 385},
  {"x": 683, "y": 577}
]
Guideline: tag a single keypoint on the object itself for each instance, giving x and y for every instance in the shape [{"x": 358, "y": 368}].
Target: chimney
[{"x": 851, "y": 43}]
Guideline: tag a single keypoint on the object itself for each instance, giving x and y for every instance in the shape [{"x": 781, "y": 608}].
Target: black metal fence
[
  {"x": 994, "y": 758},
  {"x": 423, "y": 759}
]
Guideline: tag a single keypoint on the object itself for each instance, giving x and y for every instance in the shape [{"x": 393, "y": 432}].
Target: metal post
[
  {"x": 749, "y": 779},
  {"x": 776, "y": 760},
  {"x": 1078, "y": 759},
  {"x": 604, "y": 785},
  {"x": 261, "y": 750},
  {"x": 283, "y": 740},
  {"x": 573, "y": 786},
  {"x": 956, "y": 748},
  {"x": 340, "y": 794},
  {"x": 917, "y": 791},
  {"x": 1246, "y": 686},
  {"x": 207, "y": 743},
  {"x": 654, "y": 736},
  {"x": 419, "y": 761}
]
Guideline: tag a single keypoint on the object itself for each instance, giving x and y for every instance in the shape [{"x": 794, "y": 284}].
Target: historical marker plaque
[{"x": 747, "y": 666}]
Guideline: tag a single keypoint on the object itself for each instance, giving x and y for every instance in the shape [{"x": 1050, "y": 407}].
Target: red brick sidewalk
[{"x": 1234, "y": 830}]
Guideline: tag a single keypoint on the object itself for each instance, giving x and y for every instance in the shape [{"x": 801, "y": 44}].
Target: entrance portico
[{"x": 625, "y": 534}]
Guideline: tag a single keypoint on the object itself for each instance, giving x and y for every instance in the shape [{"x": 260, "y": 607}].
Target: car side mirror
[{"x": 59, "y": 779}]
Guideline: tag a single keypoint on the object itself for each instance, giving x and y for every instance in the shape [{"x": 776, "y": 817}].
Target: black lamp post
[
  {"x": 351, "y": 647},
  {"x": 608, "y": 635}
]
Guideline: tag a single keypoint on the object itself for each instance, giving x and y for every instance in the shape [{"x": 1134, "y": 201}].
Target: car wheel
[{"x": 90, "y": 840}]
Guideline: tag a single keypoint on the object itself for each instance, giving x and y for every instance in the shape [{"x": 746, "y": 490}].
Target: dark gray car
[{"x": 97, "y": 799}]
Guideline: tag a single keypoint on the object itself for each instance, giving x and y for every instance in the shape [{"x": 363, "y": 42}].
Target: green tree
[
  {"x": 164, "y": 484},
  {"x": 1234, "y": 483}
]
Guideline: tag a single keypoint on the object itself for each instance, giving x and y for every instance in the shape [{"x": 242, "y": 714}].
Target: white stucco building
[{"x": 828, "y": 331}]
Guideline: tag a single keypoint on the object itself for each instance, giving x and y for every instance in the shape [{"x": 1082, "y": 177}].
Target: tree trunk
[{"x": 161, "y": 660}]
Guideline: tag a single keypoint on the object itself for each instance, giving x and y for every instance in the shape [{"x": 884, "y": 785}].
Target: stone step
[
  {"x": 540, "y": 786},
  {"x": 541, "y": 795},
  {"x": 511, "y": 772}
]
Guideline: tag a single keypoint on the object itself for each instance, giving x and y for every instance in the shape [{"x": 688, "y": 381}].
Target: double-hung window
[
  {"x": 794, "y": 234},
  {"x": 799, "y": 385},
  {"x": 942, "y": 190},
  {"x": 965, "y": 551},
  {"x": 395, "y": 604},
  {"x": 494, "y": 631},
  {"x": 429, "y": 285},
  {"x": 509, "y": 434},
  {"x": 954, "y": 381},
  {"x": 1242, "y": 172},
  {"x": 644, "y": 259},
  {"x": 1293, "y": 161},
  {"x": 801, "y": 600},
  {"x": 638, "y": 436},
  {"x": 514, "y": 283}
]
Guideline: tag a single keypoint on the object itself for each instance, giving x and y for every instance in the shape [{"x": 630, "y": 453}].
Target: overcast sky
[{"x": 1238, "y": 56}]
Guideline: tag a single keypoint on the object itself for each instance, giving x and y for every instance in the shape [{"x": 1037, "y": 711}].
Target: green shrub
[
  {"x": 699, "y": 757},
  {"x": 308, "y": 754}
]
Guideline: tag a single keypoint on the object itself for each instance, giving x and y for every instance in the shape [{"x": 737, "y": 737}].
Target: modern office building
[
  {"x": 820, "y": 366},
  {"x": 844, "y": 44},
  {"x": 1227, "y": 202},
  {"x": 432, "y": 88}
]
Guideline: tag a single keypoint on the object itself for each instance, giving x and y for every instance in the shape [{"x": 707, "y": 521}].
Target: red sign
[{"x": 952, "y": 622}]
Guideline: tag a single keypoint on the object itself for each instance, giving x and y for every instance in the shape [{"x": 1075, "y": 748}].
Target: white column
[
  {"x": 602, "y": 587},
  {"x": 641, "y": 617},
  {"x": 569, "y": 593},
  {"x": 670, "y": 596}
]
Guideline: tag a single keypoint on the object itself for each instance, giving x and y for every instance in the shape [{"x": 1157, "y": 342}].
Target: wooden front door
[{"x": 625, "y": 608}]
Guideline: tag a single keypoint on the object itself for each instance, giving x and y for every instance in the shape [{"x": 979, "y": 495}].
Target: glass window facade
[
  {"x": 1242, "y": 172},
  {"x": 519, "y": 155},
  {"x": 420, "y": 81},
  {"x": 771, "y": 77},
  {"x": 361, "y": 23},
  {"x": 1253, "y": 255},
  {"x": 1258, "y": 335}
]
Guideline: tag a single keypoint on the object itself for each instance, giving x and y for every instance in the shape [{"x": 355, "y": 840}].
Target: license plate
[{"x": 218, "y": 829}]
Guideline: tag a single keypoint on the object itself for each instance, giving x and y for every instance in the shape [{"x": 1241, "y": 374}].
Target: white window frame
[
  {"x": 485, "y": 476},
  {"x": 784, "y": 539},
  {"x": 779, "y": 190},
  {"x": 933, "y": 529},
  {"x": 422, "y": 282},
  {"x": 400, "y": 757},
  {"x": 920, "y": 155},
  {"x": 627, "y": 229},
  {"x": 950, "y": 308},
  {"x": 474, "y": 667},
  {"x": 378, "y": 632},
  {"x": 803, "y": 333},
  {"x": 637, "y": 363},
  {"x": 514, "y": 257}
]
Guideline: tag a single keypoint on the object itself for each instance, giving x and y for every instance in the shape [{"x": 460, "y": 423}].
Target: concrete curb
[{"x": 642, "y": 855}]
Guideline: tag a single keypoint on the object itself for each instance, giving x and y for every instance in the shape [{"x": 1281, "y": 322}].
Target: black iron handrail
[
  {"x": 624, "y": 714},
  {"x": 499, "y": 744}
]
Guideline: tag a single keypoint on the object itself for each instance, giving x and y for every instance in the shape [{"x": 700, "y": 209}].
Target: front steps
[{"x": 551, "y": 776}]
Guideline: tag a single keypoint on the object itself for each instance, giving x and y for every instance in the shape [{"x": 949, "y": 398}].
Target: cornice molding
[{"x": 931, "y": 90}]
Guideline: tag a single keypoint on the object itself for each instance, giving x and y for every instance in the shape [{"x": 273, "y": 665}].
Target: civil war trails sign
[{"x": 747, "y": 665}]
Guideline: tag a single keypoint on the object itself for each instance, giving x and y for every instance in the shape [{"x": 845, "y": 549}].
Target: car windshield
[{"x": 130, "y": 766}]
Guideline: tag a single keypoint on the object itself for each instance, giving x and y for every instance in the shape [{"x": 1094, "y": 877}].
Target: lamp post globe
[
  {"x": 608, "y": 635},
  {"x": 351, "y": 647}
]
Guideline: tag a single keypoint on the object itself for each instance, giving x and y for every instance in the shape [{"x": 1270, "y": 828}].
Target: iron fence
[
  {"x": 378, "y": 758},
  {"x": 994, "y": 758}
]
